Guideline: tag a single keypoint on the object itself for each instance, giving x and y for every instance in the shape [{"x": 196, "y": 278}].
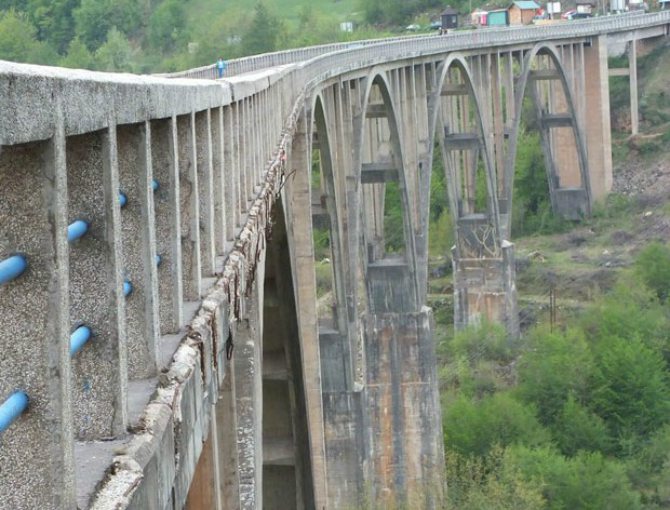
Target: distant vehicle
[
  {"x": 568, "y": 14},
  {"x": 435, "y": 25},
  {"x": 412, "y": 28},
  {"x": 581, "y": 15}
]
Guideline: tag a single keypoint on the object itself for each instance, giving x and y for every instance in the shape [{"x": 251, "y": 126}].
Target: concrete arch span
[
  {"x": 570, "y": 191},
  {"x": 378, "y": 163}
]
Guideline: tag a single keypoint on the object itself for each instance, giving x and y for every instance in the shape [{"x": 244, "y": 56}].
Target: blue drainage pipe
[
  {"x": 123, "y": 199},
  {"x": 154, "y": 184},
  {"x": 127, "y": 288},
  {"x": 159, "y": 259},
  {"x": 76, "y": 230},
  {"x": 78, "y": 339},
  {"x": 12, "y": 267},
  {"x": 12, "y": 408}
]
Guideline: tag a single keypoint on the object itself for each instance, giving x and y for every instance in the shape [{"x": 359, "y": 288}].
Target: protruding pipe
[
  {"x": 12, "y": 268},
  {"x": 127, "y": 288},
  {"x": 159, "y": 259},
  {"x": 123, "y": 199},
  {"x": 76, "y": 230},
  {"x": 12, "y": 408},
  {"x": 78, "y": 339},
  {"x": 154, "y": 184}
]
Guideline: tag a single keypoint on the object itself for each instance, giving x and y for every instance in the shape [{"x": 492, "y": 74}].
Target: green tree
[
  {"x": 587, "y": 481},
  {"x": 166, "y": 25},
  {"x": 115, "y": 54},
  {"x": 653, "y": 266},
  {"x": 54, "y": 21},
  {"x": 630, "y": 390},
  {"x": 17, "y": 37},
  {"x": 77, "y": 56},
  {"x": 577, "y": 428},
  {"x": 473, "y": 428},
  {"x": 264, "y": 32},
  {"x": 556, "y": 366},
  {"x": 95, "y": 18}
]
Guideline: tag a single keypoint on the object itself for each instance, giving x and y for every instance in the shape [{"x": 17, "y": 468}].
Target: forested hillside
[{"x": 164, "y": 35}]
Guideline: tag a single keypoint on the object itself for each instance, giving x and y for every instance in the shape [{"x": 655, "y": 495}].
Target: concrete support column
[
  {"x": 139, "y": 249},
  {"x": 485, "y": 289},
  {"x": 37, "y": 450},
  {"x": 167, "y": 209},
  {"x": 190, "y": 208},
  {"x": 96, "y": 286},
  {"x": 221, "y": 212},
  {"x": 404, "y": 446},
  {"x": 632, "y": 73},
  {"x": 203, "y": 142},
  {"x": 247, "y": 366},
  {"x": 230, "y": 171},
  {"x": 598, "y": 130}
]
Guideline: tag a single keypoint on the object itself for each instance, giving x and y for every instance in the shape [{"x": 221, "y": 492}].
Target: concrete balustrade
[{"x": 122, "y": 196}]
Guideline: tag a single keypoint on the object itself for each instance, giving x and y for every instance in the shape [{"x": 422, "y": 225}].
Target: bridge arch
[
  {"x": 568, "y": 197},
  {"x": 379, "y": 170}
]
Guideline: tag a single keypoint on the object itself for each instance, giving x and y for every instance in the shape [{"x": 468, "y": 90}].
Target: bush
[
  {"x": 587, "y": 481},
  {"x": 577, "y": 428},
  {"x": 630, "y": 390},
  {"x": 486, "y": 341},
  {"x": 473, "y": 428},
  {"x": 556, "y": 366},
  {"x": 653, "y": 267}
]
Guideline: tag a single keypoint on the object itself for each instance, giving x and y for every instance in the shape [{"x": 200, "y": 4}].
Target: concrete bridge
[{"x": 165, "y": 343}]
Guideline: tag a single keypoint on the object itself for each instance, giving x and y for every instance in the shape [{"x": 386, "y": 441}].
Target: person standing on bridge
[{"x": 221, "y": 66}]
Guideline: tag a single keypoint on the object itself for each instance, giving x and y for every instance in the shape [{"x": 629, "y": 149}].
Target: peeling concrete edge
[{"x": 124, "y": 476}]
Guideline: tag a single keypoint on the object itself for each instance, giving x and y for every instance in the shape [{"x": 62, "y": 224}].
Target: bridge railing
[{"x": 466, "y": 38}]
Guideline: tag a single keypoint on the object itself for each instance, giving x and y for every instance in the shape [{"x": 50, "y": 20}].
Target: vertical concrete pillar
[
  {"x": 239, "y": 164},
  {"x": 632, "y": 73},
  {"x": 231, "y": 171},
  {"x": 219, "y": 180},
  {"x": 167, "y": 209},
  {"x": 247, "y": 361},
  {"x": 203, "y": 143},
  {"x": 37, "y": 450},
  {"x": 190, "y": 208},
  {"x": 139, "y": 249},
  {"x": 598, "y": 130},
  {"x": 96, "y": 286}
]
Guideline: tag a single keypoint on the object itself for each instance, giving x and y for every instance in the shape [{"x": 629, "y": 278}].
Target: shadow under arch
[
  {"x": 577, "y": 201},
  {"x": 391, "y": 281}
]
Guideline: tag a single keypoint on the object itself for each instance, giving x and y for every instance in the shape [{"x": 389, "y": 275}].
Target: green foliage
[
  {"x": 167, "y": 25},
  {"x": 630, "y": 390},
  {"x": 54, "y": 21},
  {"x": 115, "y": 54},
  {"x": 264, "y": 33},
  {"x": 441, "y": 235},
  {"x": 556, "y": 366},
  {"x": 77, "y": 56},
  {"x": 486, "y": 483},
  {"x": 586, "y": 481},
  {"x": 653, "y": 267},
  {"x": 396, "y": 12},
  {"x": 17, "y": 38},
  {"x": 649, "y": 469},
  {"x": 474, "y": 427},
  {"x": 95, "y": 18},
  {"x": 576, "y": 428},
  {"x": 394, "y": 232},
  {"x": 487, "y": 341}
]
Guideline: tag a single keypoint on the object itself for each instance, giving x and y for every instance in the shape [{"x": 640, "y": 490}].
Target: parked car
[
  {"x": 581, "y": 15},
  {"x": 568, "y": 14}
]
